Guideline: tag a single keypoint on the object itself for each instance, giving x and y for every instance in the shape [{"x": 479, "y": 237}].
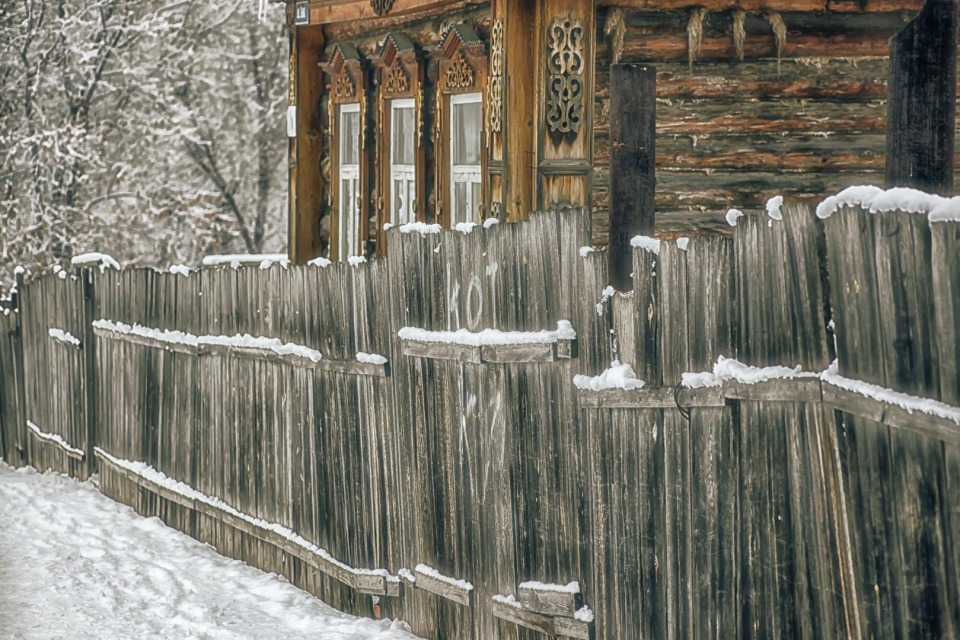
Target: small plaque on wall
[
  {"x": 301, "y": 13},
  {"x": 292, "y": 121}
]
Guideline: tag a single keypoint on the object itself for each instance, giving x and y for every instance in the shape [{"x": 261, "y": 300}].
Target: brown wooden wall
[{"x": 734, "y": 134}]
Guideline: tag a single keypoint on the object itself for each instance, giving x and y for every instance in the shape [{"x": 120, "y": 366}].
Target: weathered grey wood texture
[
  {"x": 788, "y": 509},
  {"x": 922, "y": 110}
]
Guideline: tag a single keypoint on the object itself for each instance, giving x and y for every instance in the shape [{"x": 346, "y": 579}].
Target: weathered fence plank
[{"x": 718, "y": 504}]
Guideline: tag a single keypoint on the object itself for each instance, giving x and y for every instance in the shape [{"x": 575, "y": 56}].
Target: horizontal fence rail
[{"x": 476, "y": 435}]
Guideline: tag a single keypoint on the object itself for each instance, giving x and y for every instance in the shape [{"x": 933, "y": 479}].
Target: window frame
[
  {"x": 462, "y": 69},
  {"x": 401, "y": 75},
  {"x": 408, "y": 171},
  {"x": 469, "y": 174},
  {"x": 347, "y": 92},
  {"x": 348, "y": 234}
]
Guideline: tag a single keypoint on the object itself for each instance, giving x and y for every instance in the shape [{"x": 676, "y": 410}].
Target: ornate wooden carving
[
  {"x": 460, "y": 75},
  {"x": 381, "y": 7},
  {"x": 419, "y": 107},
  {"x": 495, "y": 84},
  {"x": 565, "y": 84},
  {"x": 397, "y": 81},
  {"x": 343, "y": 88}
]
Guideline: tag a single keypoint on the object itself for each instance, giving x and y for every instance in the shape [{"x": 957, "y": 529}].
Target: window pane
[
  {"x": 399, "y": 203},
  {"x": 475, "y": 201},
  {"x": 403, "y": 130},
  {"x": 467, "y": 122},
  {"x": 349, "y": 137},
  {"x": 411, "y": 200},
  {"x": 460, "y": 203},
  {"x": 348, "y": 217}
]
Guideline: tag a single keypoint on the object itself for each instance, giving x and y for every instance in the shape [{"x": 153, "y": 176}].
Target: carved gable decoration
[
  {"x": 463, "y": 60},
  {"x": 399, "y": 66},
  {"x": 346, "y": 74}
]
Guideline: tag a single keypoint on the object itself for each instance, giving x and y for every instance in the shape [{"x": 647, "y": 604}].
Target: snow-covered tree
[{"x": 151, "y": 130}]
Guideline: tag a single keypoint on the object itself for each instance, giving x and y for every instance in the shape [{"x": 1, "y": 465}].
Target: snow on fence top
[
  {"x": 910, "y": 404},
  {"x": 236, "y": 260},
  {"x": 647, "y": 243},
  {"x": 63, "y": 336},
  {"x": 95, "y": 259},
  {"x": 439, "y": 577},
  {"x": 584, "y": 614},
  {"x": 618, "y": 376},
  {"x": 69, "y": 449},
  {"x": 564, "y": 331},
  {"x": 146, "y": 471},
  {"x": 729, "y": 369},
  {"x": 243, "y": 341},
  {"x": 877, "y": 200},
  {"x": 420, "y": 227},
  {"x": 732, "y": 216},
  {"x": 570, "y": 587},
  {"x": 774, "y": 205},
  {"x": 171, "y": 337}
]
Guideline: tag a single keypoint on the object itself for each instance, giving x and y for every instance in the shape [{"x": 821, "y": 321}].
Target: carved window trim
[
  {"x": 462, "y": 69},
  {"x": 566, "y": 88},
  {"x": 495, "y": 84},
  {"x": 348, "y": 85},
  {"x": 401, "y": 75}
]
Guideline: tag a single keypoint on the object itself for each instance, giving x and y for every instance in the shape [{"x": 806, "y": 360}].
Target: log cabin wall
[{"x": 732, "y": 132}]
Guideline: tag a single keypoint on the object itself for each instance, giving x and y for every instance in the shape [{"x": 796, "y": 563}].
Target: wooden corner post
[
  {"x": 633, "y": 120},
  {"x": 305, "y": 129},
  {"x": 921, "y": 112},
  {"x": 511, "y": 98}
]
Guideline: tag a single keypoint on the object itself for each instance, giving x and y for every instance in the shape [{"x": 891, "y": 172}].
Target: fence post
[
  {"x": 921, "y": 112},
  {"x": 85, "y": 277},
  {"x": 633, "y": 119},
  {"x": 21, "y": 426}
]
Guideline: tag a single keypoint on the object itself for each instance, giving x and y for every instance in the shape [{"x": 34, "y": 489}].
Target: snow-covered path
[{"x": 75, "y": 564}]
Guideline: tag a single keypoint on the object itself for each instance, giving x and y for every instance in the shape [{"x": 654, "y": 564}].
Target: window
[
  {"x": 466, "y": 123},
  {"x": 403, "y": 173},
  {"x": 349, "y": 176}
]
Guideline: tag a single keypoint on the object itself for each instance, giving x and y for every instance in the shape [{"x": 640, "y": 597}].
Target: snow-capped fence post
[
  {"x": 88, "y": 316},
  {"x": 921, "y": 112},
  {"x": 633, "y": 119},
  {"x": 20, "y": 428}
]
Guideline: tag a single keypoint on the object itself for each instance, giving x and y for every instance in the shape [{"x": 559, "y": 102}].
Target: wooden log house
[{"x": 452, "y": 111}]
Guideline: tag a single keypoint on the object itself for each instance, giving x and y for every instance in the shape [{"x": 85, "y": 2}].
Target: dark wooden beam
[
  {"x": 921, "y": 113},
  {"x": 672, "y": 45},
  {"x": 845, "y": 6},
  {"x": 330, "y": 11},
  {"x": 633, "y": 120}
]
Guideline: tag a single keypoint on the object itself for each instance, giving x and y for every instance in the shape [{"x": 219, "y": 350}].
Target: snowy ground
[{"x": 75, "y": 564}]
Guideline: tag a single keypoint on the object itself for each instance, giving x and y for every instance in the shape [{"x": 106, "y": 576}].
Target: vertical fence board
[{"x": 772, "y": 518}]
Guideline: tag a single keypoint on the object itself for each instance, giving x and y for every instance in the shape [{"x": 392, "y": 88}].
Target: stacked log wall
[{"x": 731, "y": 133}]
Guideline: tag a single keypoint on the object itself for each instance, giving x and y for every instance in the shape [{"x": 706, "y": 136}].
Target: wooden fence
[{"x": 450, "y": 481}]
